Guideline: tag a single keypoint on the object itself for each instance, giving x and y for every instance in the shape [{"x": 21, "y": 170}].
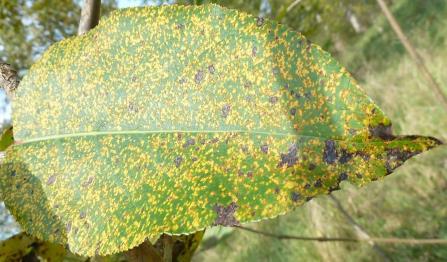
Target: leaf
[
  {"x": 6, "y": 139},
  {"x": 172, "y": 119},
  {"x": 22, "y": 247},
  {"x": 15, "y": 248}
]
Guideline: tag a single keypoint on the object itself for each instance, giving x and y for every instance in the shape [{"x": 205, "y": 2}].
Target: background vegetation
[{"x": 410, "y": 203}]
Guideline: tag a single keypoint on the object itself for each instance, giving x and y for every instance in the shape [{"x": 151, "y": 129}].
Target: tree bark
[
  {"x": 144, "y": 252},
  {"x": 9, "y": 80},
  {"x": 89, "y": 15},
  {"x": 168, "y": 243}
]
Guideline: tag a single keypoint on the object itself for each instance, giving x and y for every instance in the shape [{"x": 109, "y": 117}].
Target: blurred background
[{"x": 411, "y": 203}]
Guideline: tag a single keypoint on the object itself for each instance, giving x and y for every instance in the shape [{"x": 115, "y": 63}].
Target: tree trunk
[
  {"x": 89, "y": 15},
  {"x": 9, "y": 79}
]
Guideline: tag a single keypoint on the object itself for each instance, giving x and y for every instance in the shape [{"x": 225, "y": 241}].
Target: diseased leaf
[
  {"x": 172, "y": 119},
  {"x": 23, "y": 247},
  {"x": 15, "y": 248}
]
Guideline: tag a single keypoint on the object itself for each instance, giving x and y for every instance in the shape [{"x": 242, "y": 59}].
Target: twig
[
  {"x": 292, "y": 5},
  {"x": 168, "y": 243},
  {"x": 413, "y": 53},
  {"x": 2, "y": 156},
  {"x": 144, "y": 252},
  {"x": 410, "y": 241},
  {"x": 359, "y": 230},
  {"x": 89, "y": 15},
  {"x": 9, "y": 78}
]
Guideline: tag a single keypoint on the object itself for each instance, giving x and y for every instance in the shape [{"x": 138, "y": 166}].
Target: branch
[
  {"x": 9, "y": 80},
  {"x": 89, "y": 15},
  {"x": 144, "y": 252},
  {"x": 292, "y": 5},
  {"x": 413, "y": 53},
  {"x": 168, "y": 243},
  {"x": 359, "y": 230},
  {"x": 410, "y": 241}
]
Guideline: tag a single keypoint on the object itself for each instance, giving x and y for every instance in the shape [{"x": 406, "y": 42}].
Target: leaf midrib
[{"x": 142, "y": 132}]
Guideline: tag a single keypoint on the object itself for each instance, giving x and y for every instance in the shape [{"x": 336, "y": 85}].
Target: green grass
[
  {"x": 379, "y": 47},
  {"x": 411, "y": 203}
]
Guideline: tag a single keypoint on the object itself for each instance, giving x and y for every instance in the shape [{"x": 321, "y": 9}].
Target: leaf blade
[
  {"x": 223, "y": 179},
  {"x": 172, "y": 119}
]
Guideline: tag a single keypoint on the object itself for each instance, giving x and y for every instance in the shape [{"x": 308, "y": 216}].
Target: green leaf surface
[
  {"x": 172, "y": 119},
  {"x": 6, "y": 139}
]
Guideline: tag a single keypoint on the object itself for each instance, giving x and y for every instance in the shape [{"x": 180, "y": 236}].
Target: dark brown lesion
[
  {"x": 293, "y": 111},
  {"x": 342, "y": 177},
  {"x": 178, "y": 161},
  {"x": 273, "y": 99},
  {"x": 265, "y": 148},
  {"x": 226, "y": 110},
  {"x": 382, "y": 131},
  {"x": 318, "y": 183},
  {"x": 330, "y": 152},
  {"x": 244, "y": 148},
  {"x": 333, "y": 155},
  {"x": 132, "y": 108},
  {"x": 211, "y": 69},
  {"x": 311, "y": 166},
  {"x": 225, "y": 215},
  {"x": 295, "y": 197},
  {"x": 199, "y": 77},
  {"x": 189, "y": 142},
  {"x": 396, "y": 157},
  {"x": 68, "y": 227},
  {"x": 254, "y": 51},
  {"x": 51, "y": 180},
  {"x": 179, "y": 26},
  {"x": 334, "y": 187},
  {"x": 289, "y": 159},
  {"x": 388, "y": 168},
  {"x": 248, "y": 84},
  {"x": 400, "y": 155},
  {"x": 345, "y": 156},
  {"x": 88, "y": 181}
]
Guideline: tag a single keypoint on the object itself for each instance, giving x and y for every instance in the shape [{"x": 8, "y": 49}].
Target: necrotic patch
[{"x": 330, "y": 153}]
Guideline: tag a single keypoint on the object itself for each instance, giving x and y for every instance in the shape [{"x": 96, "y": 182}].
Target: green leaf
[
  {"x": 6, "y": 139},
  {"x": 172, "y": 119}
]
